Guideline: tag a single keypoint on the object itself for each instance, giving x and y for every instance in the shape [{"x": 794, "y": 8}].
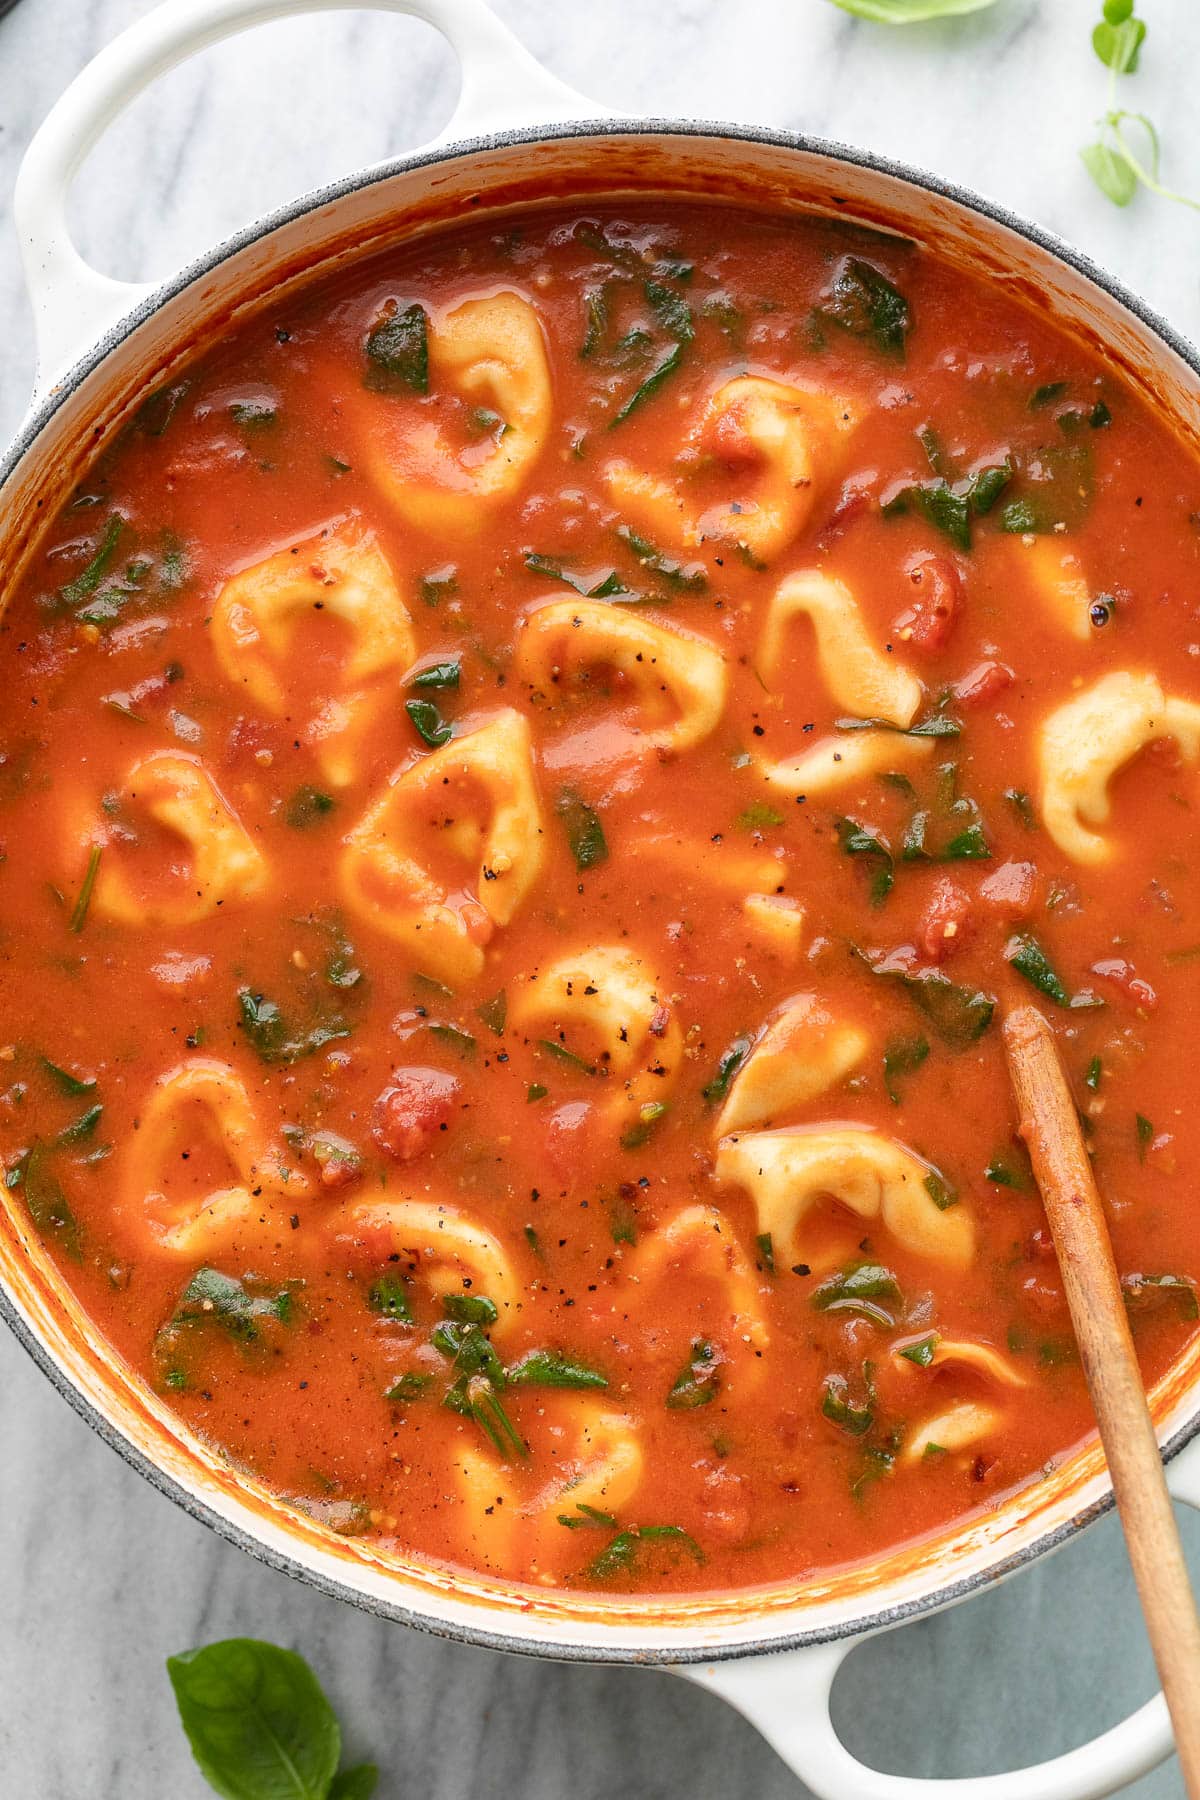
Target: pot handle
[
  {"x": 74, "y": 306},
  {"x": 787, "y": 1698}
]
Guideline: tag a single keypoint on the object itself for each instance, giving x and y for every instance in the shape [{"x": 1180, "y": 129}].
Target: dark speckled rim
[{"x": 659, "y": 1649}]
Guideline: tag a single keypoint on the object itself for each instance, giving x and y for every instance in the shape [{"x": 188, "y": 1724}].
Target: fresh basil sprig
[
  {"x": 260, "y": 1726},
  {"x": 1117, "y": 169}
]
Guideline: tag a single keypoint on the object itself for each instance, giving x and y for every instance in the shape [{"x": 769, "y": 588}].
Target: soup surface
[{"x": 528, "y": 781}]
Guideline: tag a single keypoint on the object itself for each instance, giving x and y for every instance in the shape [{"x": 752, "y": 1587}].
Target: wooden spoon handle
[{"x": 1049, "y": 1125}]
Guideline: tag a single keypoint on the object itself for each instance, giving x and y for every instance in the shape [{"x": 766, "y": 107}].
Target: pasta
[
  {"x": 1086, "y": 741},
  {"x": 789, "y": 1171},
  {"x": 489, "y": 354},
  {"x": 343, "y": 578},
  {"x": 664, "y": 671},
  {"x": 602, "y": 1007},
  {"x": 170, "y": 1211},
  {"x": 435, "y": 1244},
  {"x": 858, "y": 675},
  {"x": 220, "y": 863},
  {"x": 392, "y": 865},
  {"x": 774, "y": 443},
  {"x": 802, "y": 1053}
]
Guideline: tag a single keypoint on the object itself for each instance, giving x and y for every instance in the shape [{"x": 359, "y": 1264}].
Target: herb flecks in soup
[{"x": 527, "y": 781}]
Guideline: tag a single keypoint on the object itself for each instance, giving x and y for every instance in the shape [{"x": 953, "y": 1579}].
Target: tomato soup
[{"x": 528, "y": 780}]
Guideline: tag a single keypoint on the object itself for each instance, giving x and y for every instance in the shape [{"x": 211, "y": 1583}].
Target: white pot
[{"x": 772, "y": 1653}]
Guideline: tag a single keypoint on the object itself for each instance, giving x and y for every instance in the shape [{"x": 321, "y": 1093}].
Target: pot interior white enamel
[{"x": 495, "y": 179}]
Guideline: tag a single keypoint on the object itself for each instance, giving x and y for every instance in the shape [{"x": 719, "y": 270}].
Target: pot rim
[{"x": 662, "y": 1653}]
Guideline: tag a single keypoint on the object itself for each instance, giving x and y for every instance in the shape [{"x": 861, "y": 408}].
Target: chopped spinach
[
  {"x": 551, "y": 1368},
  {"x": 902, "y": 1056},
  {"x": 699, "y": 1380},
  {"x": 862, "y": 301},
  {"x": 397, "y": 351},
  {"x": 306, "y": 806},
  {"x": 584, "y": 831},
  {"x": 858, "y": 1290},
  {"x": 1028, "y": 958},
  {"x": 731, "y": 1061}
]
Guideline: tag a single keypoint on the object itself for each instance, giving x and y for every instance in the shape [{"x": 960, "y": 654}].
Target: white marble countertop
[{"x": 101, "y": 1578}]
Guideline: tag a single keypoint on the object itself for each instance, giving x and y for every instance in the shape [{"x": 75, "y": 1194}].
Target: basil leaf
[
  {"x": 355, "y": 1784},
  {"x": 911, "y": 12},
  {"x": 257, "y": 1720}
]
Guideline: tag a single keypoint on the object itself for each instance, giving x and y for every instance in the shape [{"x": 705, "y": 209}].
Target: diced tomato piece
[
  {"x": 982, "y": 683},
  {"x": 1122, "y": 976},
  {"x": 944, "y": 922},
  {"x": 925, "y": 625},
  {"x": 409, "y": 1114},
  {"x": 1011, "y": 890}
]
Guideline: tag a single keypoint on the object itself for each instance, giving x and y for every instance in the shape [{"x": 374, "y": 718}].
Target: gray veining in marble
[{"x": 100, "y": 1579}]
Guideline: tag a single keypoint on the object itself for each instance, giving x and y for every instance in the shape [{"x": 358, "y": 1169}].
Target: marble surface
[{"x": 101, "y": 1578}]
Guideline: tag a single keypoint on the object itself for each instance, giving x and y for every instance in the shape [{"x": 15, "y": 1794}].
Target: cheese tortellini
[
  {"x": 598, "y": 1463},
  {"x": 1055, "y": 580},
  {"x": 441, "y": 1247},
  {"x": 804, "y": 1051},
  {"x": 603, "y": 1006},
  {"x": 220, "y": 863},
  {"x": 860, "y": 677},
  {"x": 678, "y": 681},
  {"x": 340, "y": 578},
  {"x": 787, "y": 1172},
  {"x": 964, "y": 1421},
  {"x": 166, "y": 1180},
  {"x": 490, "y": 353},
  {"x": 699, "y": 1243},
  {"x": 1086, "y": 741},
  {"x": 451, "y": 849},
  {"x": 776, "y": 441},
  {"x": 853, "y": 756}
]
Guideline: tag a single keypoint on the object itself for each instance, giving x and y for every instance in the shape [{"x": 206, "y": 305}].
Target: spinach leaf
[
  {"x": 585, "y": 833},
  {"x": 862, "y": 301},
  {"x": 689, "y": 579},
  {"x": 494, "y": 1013},
  {"x": 648, "y": 1116},
  {"x": 938, "y": 504},
  {"x": 274, "y": 1040},
  {"x": 698, "y": 1381},
  {"x": 551, "y": 1368},
  {"x": 627, "y": 1547},
  {"x": 921, "y": 1352},
  {"x": 438, "y": 675},
  {"x": 48, "y": 1205},
  {"x": 959, "y": 1015},
  {"x": 856, "y": 840},
  {"x": 661, "y": 372},
  {"x": 902, "y": 1057},
  {"x": 258, "y": 1723},
  {"x": 841, "y": 1410},
  {"x": 428, "y": 723},
  {"x": 605, "y": 589},
  {"x": 397, "y": 351},
  {"x": 79, "y": 911},
  {"x": 727, "y": 1068},
  {"x": 1028, "y": 958},
  {"x": 858, "y": 1290},
  {"x": 389, "y": 1296}
]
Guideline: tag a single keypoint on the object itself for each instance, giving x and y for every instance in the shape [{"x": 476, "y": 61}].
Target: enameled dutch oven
[{"x": 773, "y": 1653}]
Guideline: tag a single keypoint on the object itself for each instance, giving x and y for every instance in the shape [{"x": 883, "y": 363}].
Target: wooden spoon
[{"x": 1050, "y": 1128}]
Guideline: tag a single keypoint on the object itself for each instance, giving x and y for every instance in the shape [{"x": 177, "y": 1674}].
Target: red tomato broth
[{"x": 767, "y": 1486}]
